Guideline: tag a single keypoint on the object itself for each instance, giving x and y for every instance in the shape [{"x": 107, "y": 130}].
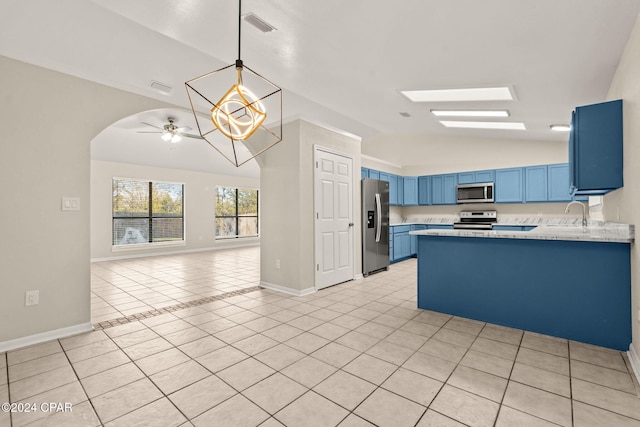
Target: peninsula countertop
[{"x": 593, "y": 232}]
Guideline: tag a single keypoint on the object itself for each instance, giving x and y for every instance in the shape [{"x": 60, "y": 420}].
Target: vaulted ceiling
[{"x": 342, "y": 63}]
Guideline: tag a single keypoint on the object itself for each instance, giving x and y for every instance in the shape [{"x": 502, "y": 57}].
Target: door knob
[{"x": 350, "y": 224}]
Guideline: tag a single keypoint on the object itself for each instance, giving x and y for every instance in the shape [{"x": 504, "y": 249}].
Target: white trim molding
[
  {"x": 286, "y": 290},
  {"x": 45, "y": 336},
  {"x": 220, "y": 246},
  {"x": 634, "y": 358}
]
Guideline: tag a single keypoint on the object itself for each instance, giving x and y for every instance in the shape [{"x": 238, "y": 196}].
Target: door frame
[{"x": 316, "y": 149}]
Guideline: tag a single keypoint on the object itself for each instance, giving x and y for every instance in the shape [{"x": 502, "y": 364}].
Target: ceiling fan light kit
[{"x": 247, "y": 119}]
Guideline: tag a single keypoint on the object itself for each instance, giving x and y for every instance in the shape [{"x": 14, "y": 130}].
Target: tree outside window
[
  {"x": 146, "y": 212},
  {"x": 236, "y": 212}
]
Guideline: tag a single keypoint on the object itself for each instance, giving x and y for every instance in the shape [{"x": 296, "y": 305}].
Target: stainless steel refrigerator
[{"x": 375, "y": 226}]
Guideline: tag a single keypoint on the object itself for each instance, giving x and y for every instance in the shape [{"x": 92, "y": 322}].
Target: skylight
[
  {"x": 470, "y": 94},
  {"x": 484, "y": 125}
]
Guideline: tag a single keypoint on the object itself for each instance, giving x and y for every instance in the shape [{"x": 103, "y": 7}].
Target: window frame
[
  {"x": 149, "y": 217},
  {"x": 237, "y": 217}
]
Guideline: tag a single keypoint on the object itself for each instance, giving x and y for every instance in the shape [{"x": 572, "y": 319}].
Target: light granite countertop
[{"x": 596, "y": 231}]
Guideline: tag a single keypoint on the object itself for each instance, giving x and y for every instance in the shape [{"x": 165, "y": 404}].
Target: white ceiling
[{"x": 342, "y": 63}]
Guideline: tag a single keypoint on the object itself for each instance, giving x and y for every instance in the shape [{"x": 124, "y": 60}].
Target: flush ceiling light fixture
[
  {"x": 484, "y": 125},
  {"x": 560, "y": 128},
  {"x": 237, "y": 125},
  {"x": 469, "y": 94},
  {"x": 470, "y": 113}
]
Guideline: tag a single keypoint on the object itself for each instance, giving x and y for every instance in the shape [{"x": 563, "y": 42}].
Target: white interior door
[{"x": 334, "y": 218}]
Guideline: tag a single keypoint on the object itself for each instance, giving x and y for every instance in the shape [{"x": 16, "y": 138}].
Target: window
[
  {"x": 147, "y": 212},
  {"x": 236, "y": 212}
]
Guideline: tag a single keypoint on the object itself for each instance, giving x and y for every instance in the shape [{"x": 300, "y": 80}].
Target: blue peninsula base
[{"x": 568, "y": 289}]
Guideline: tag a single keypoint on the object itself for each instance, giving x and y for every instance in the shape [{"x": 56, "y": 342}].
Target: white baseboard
[
  {"x": 358, "y": 277},
  {"x": 289, "y": 291},
  {"x": 45, "y": 336},
  {"x": 222, "y": 247},
  {"x": 634, "y": 358}
]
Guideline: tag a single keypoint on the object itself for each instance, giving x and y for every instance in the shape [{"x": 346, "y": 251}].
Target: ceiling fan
[{"x": 170, "y": 132}]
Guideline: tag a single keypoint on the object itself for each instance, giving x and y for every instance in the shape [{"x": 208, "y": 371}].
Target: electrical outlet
[{"x": 31, "y": 298}]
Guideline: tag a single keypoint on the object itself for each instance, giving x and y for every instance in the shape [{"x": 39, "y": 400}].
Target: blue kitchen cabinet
[
  {"x": 414, "y": 239},
  {"x": 400, "y": 195},
  {"x": 391, "y": 244},
  {"x": 443, "y": 189},
  {"x": 476, "y": 177},
  {"x": 509, "y": 185},
  {"x": 485, "y": 176},
  {"x": 384, "y": 176},
  {"x": 424, "y": 190},
  {"x": 393, "y": 190},
  {"x": 595, "y": 148},
  {"x": 364, "y": 173},
  {"x": 558, "y": 182},
  {"x": 410, "y": 191},
  {"x": 401, "y": 242},
  {"x": 466, "y": 178},
  {"x": 374, "y": 174},
  {"x": 440, "y": 227},
  {"x": 536, "y": 188}
]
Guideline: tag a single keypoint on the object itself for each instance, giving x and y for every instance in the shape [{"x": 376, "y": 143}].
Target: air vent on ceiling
[
  {"x": 259, "y": 23},
  {"x": 405, "y": 114},
  {"x": 162, "y": 88}
]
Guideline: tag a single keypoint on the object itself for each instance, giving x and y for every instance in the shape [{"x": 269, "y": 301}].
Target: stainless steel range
[{"x": 476, "y": 220}]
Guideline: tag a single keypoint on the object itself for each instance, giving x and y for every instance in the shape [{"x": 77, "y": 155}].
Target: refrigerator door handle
[{"x": 378, "y": 217}]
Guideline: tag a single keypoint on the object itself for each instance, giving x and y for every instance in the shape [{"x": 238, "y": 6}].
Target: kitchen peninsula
[{"x": 567, "y": 281}]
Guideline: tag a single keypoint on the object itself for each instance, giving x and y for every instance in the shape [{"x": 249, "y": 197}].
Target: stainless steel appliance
[
  {"x": 476, "y": 220},
  {"x": 375, "y": 226},
  {"x": 475, "y": 193}
]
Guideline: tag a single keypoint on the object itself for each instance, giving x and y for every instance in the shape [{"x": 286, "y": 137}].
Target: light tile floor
[{"x": 355, "y": 354}]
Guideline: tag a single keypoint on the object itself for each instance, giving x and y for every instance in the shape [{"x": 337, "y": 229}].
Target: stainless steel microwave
[{"x": 475, "y": 193}]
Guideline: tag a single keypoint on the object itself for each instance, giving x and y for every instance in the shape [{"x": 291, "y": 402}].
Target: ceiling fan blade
[
  {"x": 183, "y": 129},
  {"x": 153, "y": 126},
  {"x": 148, "y": 131}
]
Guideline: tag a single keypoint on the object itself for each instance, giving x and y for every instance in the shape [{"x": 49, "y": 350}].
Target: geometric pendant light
[{"x": 244, "y": 109}]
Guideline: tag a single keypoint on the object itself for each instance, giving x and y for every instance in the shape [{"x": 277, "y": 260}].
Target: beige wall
[
  {"x": 199, "y": 207},
  {"x": 50, "y": 120},
  {"x": 623, "y": 205},
  {"x": 286, "y": 183},
  {"x": 428, "y": 155}
]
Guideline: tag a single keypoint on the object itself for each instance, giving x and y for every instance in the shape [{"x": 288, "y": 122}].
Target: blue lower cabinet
[
  {"x": 513, "y": 227},
  {"x": 391, "y": 259},
  {"x": 401, "y": 246},
  {"x": 414, "y": 239},
  {"x": 508, "y": 185}
]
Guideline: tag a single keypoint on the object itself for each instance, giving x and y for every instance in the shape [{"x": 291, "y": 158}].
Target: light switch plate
[{"x": 71, "y": 203}]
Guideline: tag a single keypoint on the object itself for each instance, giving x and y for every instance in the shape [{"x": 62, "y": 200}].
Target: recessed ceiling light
[
  {"x": 560, "y": 128},
  {"x": 471, "y": 94},
  {"x": 471, "y": 113},
  {"x": 484, "y": 125}
]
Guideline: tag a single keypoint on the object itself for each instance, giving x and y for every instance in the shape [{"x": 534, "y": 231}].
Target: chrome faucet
[{"x": 584, "y": 211}]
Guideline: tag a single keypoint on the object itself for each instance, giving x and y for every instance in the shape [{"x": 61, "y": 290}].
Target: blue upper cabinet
[
  {"x": 443, "y": 189},
  {"x": 485, "y": 176},
  {"x": 364, "y": 173},
  {"x": 476, "y": 177},
  {"x": 509, "y": 185},
  {"x": 384, "y": 176},
  {"x": 558, "y": 183},
  {"x": 466, "y": 178},
  {"x": 424, "y": 190},
  {"x": 595, "y": 148},
  {"x": 374, "y": 174},
  {"x": 393, "y": 190},
  {"x": 410, "y": 191},
  {"x": 536, "y": 188},
  {"x": 400, "y": 191}
]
